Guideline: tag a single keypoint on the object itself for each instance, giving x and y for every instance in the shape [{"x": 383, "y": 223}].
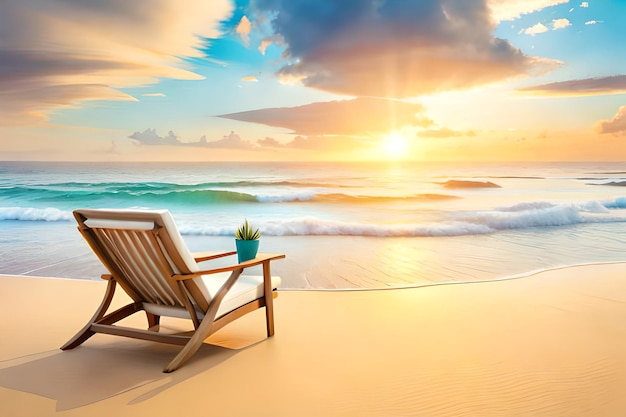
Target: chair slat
[
  {"x": 157, "y": 263},
  {"x": 138, "y": 265}
]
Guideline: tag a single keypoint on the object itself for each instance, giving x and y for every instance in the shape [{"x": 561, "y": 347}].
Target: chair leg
[
  {"x": 269, "y": 299},
  {"x": 205, "y": 328},
  {"x": 86, "y": 332},
  {"x": 269, "y": 320},
  {"x": 201, "y": 333},
  {"x": 153, "y": 320}
]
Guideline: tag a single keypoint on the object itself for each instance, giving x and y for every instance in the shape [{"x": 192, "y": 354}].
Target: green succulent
[{"x": 246, "y": 232}]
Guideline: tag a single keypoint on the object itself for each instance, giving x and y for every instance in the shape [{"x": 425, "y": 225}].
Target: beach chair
[{"x": 146, "y": 255}]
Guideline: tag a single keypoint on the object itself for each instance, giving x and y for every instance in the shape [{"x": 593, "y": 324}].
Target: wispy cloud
[
  {"x": 393, "y": 48},
  {"x": 585, "y": 87},
  {"x": 444, "y": 132},
  {"x": 319, "y": 143},
  {"x": 345, "y": 117},
  {"x": 59, "y": 53}
]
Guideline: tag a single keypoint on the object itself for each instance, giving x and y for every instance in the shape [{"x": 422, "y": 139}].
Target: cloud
[
  {"x": 444, "y": 132},
  {"x": 512, "y": 9},
  {"x": 23, "y": 103},
  {"x": 151, "y": 138},
  {"x": 616, "y": 125},
  {"x": 584, "y": 4},
  {"x": 541, "y": 28},
  {"x": 250, "y": 78},
  {"x": 230, "y": 141},
  {"x": 536, "y": 29},
  {"x": 585, "y": 87},
  {"x": 560, "y": 24},
  {"x": 319, "y": 143},
  {"x": 359, "y": 116},
  {"x": 326, "y": 143},
  {"x": 393, "y": 48},
  {"x": 243, "y": 30},
  {"x": 269, "y": 143},
  {"x": 265, "y": 43},
  {"x": 59, "y": 53},
  {"x": 153, "y": 95},
  {"x": 593, "y": 22}
]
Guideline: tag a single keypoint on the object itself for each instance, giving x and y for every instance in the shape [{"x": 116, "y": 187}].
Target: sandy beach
[{"x": 549, "y": 344}]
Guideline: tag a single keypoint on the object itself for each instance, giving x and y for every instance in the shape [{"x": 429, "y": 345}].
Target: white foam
[
  {"x": 34, "y": 214},
  {"x": 285, "y": 197},
  {"x": 518, "y": 216},
  {"x": 456, "y": 223}
]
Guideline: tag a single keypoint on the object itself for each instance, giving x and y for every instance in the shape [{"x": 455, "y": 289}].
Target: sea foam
[
  {"x": 456, "y": 223},
  {"x": 34, "y": 214},
  {"x": 518, "y": 216}
]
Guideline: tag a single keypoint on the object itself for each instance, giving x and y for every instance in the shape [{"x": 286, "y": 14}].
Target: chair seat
[{"x": 247, "y": 288}]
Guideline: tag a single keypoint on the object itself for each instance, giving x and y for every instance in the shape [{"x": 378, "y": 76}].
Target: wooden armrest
[
  {"x": 261, "y": 258},
  {"x": 208, "y": 255}
]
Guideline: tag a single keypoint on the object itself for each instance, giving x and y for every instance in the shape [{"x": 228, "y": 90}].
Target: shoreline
[
  {"x": 550, "y": 344},
  {"x": 336, "y": 262},
  {"x": 521, "y": 275}
]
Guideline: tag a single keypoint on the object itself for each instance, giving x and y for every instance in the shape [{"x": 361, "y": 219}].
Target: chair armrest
[
  {"x": 261, "y": 258},
  {"x": 208, "y": 255}
]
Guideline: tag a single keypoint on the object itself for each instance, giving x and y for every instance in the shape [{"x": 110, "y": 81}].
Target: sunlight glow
[{"x": 396, "y": 145}]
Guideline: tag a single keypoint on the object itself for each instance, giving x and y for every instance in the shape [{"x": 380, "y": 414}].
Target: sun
[{"x": 395, "y": 145}]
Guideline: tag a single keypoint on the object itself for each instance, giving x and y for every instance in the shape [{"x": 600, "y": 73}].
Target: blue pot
[{"x": 246, "y": 249}]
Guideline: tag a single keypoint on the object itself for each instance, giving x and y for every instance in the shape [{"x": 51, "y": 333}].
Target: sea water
[{"x": 341, "y": 225}]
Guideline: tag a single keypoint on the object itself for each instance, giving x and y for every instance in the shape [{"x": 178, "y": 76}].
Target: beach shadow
[{"x": 90, "y": 374}]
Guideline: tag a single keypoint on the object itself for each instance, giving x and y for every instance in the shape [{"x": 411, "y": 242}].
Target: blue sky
[{"x": 312, "y": 80}]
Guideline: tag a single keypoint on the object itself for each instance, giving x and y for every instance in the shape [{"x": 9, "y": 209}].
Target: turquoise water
[{"x": 342, "y": 225}]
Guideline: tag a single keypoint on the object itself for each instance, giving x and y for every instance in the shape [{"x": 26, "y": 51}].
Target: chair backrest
[{"x": 142, "y": 249}]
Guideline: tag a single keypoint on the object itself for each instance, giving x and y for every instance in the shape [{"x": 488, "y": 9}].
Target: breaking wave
[
  {"x": 518, "y": 216},
  {"x": 164, "y": 194}
]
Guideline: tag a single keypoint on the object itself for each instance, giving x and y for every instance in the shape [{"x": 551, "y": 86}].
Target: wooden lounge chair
[{"x": 147, "y": 257}]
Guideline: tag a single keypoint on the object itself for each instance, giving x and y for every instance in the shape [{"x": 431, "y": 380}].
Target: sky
[{"x": 312, "y": 80}]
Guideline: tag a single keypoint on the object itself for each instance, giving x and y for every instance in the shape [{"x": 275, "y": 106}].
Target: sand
[{"x": 550, "y": 344}]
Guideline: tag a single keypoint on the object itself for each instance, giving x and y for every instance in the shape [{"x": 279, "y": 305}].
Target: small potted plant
[{"x": 247, "y": 242}]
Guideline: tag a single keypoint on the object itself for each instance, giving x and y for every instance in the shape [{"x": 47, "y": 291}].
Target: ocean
[{"x": 341, "y": 225}]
